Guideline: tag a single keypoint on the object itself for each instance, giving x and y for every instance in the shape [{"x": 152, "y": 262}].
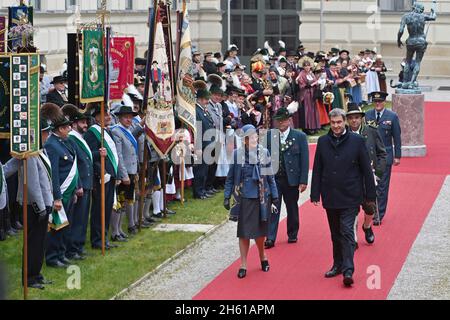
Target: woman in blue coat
[{"x": 250, "y": 180}]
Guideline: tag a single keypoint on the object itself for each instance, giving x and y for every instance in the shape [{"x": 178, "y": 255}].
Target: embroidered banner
[
  {"x": 93, "y": 69},
  {"x": 2, "y": 34},
  {"x": 4, "y": 97},
  {"x": 121, "y": 66},
  {"x": 24, "y": 101},
  {"x": 20, "y": 22}
]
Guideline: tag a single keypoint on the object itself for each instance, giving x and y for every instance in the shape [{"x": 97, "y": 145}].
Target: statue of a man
[{"x": 416, "y": 43}]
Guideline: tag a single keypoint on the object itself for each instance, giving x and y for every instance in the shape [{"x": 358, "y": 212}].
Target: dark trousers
[
  {"x": 200, "y": 176},
  {"x": 211, "y": 176},
  {"x": 57, "y": 240},
  {"x": 290, "y": 196},
  {"x": 342, "y": 222},
  {"x": 14, "y": 209},
  {"x": 37, "y": 231},
  {"x": 96, "y": 220},
  {"x": 383, "y": 191},
  {"x": 79, "y": 224}
]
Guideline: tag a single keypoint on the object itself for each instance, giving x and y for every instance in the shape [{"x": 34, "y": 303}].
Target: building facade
[{"x": 353, "y": 25}]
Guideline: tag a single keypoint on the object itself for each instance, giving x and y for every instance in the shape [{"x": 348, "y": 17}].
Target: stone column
[{"x": 410, "y": 110}]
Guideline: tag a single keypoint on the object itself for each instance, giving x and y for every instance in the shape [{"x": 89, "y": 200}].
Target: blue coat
[
  {"x": 62, "y": 155},
  {"x": 85, "y": 166},
  {"x": 389, "y": 129},
  {"x": 240, "y": 175},
  {"x": 296, "y": 158},
  {"x": 342, "y": 173},
  {"x": 204, "y": 118}
]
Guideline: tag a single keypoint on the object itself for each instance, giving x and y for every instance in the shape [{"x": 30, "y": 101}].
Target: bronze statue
[{"x": 415, "y": 21}]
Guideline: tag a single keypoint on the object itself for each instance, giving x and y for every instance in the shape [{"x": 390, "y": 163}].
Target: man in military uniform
[
  {"x": 292, "y": 154},
  {"x": 40, "y": 205},
  {"x": 66, "y": 185},
  {"x": 86, "y": 172},
  {"x": 377, "y": 154},
  {"x": 389, "y": 128},
  {"x": 109, "y": 152},
  {"x": 204, "y": 123}
]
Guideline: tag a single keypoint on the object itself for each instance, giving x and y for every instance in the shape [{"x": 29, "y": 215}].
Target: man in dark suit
[
  {"x": 86, "y": 173},
  {"x": 389, "y": 128},
  {"x": 58, "y": 96},
  {"x": 290, "y": 150},
  {"x": 66, "y": 185},
  {"x": 343, "y": 179},
  {"x": 377, "y": 154},
  {"x": 109, "y": 152},
  {"x": 204, "y": 123}
]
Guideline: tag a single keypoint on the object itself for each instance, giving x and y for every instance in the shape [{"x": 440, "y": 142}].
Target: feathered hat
[
  {"x": 72, "y": 112},
  {"x": 52, "y": 117},
  {"x": 201, "y": 89},
  {"x": 293, "y": 107},
  {"x": 269, "y": 49},
  {"x": 282, "y": 46},
  {"x": 216, "y": 84}
]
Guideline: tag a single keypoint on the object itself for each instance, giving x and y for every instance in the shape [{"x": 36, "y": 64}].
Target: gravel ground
[
  {"x": 195, "y": 268},
  {"x": 426, "y": 272}
]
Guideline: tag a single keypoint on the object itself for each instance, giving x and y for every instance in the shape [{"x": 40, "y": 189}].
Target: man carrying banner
[
  {"x": 40, "y": 204},
  {"x": 66, "y": 184},
  {"x": 109, "y": 152},
  {"x": 86, "y": 172}
]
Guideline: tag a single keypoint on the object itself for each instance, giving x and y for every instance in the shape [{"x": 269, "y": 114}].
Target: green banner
[
  {"x": 4, "y": 97},
  {"x": 93, "y": 70},
  {"x": 24, "y": 99}
]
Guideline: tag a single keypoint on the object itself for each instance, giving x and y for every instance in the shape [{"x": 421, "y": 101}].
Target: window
[
  {"x": 254, "y": 22},
  {"x": 36, "y": 4},
  {"x": 129, "y": 5},
  {"x": 71, "y": 4},
  {"x": 395, "y": 5}
]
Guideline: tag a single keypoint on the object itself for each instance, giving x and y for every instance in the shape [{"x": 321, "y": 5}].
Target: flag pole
[
  {"x": 182, "y": 175},
  {"x": 25, "y": 228}
]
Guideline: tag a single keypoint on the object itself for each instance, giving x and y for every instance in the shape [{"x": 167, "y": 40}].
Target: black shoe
[
  {"x": 209, "y": 194},
  {"x": 168, "y": 211},
  {"x": 111, "y": 245},
  {"x": 269, "y": 244},
  {"x": 333, "y": 272},
  {"x": 233, "y": 218},
  {"x": 124, "y": 235},
  {"x": 66, "y": 261},
  {"x": 242, "y": 273},
  {"x": 132, "y": 230},
  {"x": 45, "y": 281},
  {"x": 215, "y": 190},
  {"x": 370, "y": 237},
  {"x": 348, "y": 279},
  {"x": 36, "y": 285},
  {"x": 150, "y": 220},
  {"x": 265, "y": 266},
  {"x": 118, "y": 238},
  {"x": 12, "y": 232},
  {"x": 77, "y": 257},
  {"x": 293, "y": 240},
  {"x": 16, "y": 225},
  {"x": 376, "y": 222},
  {"x": 158, "y": 215},
  {"x": 58, "y": 264}
]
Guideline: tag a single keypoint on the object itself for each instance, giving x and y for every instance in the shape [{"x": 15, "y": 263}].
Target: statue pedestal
[{"x": 410, "y": 110}]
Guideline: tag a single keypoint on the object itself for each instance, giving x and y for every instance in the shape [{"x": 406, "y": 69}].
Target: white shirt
[{"x": 284, "y": 135}]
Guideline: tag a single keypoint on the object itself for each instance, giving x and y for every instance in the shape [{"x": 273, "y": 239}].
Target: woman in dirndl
[{"x": 251, "y": 182}]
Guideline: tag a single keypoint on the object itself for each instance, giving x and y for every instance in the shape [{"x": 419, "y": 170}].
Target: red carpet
[{"x": 297, "y": 269}]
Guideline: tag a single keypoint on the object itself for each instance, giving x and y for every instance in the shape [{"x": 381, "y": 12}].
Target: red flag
[{"x": 121, "y": 71}]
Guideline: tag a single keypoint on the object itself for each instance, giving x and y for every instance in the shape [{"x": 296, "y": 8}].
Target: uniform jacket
[
  {"x": 85, "y": 166},
  {"x": 375, "y": 146},
  {"x": 240, "y": 175},
  {"x": 206, "y": 122},
  {"x": 342, "y": 174},
  {"x": 62, "y": 154},
  {"x": 389, "y": 129},
  {"x": 128, "y": 157},
  {"x": 40, "y": 190},
  {"x": 296, "y": 157},
  {"x": 95, "y": 145},
  {"x": 56, "y": 98}
]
